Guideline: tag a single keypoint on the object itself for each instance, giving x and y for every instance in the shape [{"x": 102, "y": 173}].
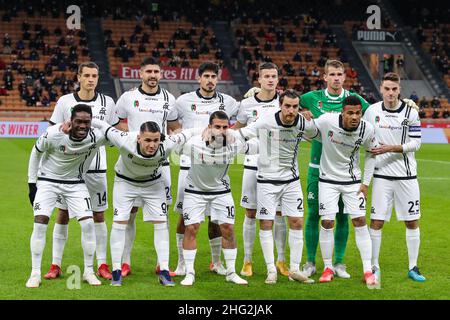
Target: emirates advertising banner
[{"x": 171, "y": 73}]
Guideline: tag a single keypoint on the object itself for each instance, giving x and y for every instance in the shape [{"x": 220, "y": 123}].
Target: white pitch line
[{"x": 437, "y": 161}]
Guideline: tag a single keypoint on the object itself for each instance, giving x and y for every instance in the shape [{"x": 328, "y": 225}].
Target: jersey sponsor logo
[
  {"x": 263, "y": 211},
  {"x": 389, "y": 127},
  {"x": 390, "y": 116},
  {"x": 136, "y": 103}
]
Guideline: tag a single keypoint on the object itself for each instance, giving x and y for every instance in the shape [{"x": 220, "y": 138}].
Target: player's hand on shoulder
[
  {"x": 251, "y": 92},
  {"x": 411, "y": 103},
  {"x": 65, "y": 127},
  {"x": 307, "y": 114}
]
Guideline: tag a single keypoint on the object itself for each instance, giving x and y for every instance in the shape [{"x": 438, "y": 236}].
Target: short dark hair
[
  {"x": 80, "y": 108},
  {"x": 218, "y": 115},
  {"x": 267, "y": 65},
  {"x": 391, "y": 76},
  {"x": 290, "y": 93},
  {"x": 351, "y": 101},
  {"x": 150, "y": 126},
  {"x": 208, "y": 66},
  {"x": 149, "y": 60},
  {"x": 89, "y": 64}
]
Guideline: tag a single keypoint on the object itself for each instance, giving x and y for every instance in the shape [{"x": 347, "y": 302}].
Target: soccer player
[
  {"x": 194, "y": 109},
  {"x": 103, "y": 109},
  {"x": 397, "y": 128},
  {"x": 266, "y": 100},
  {"x": 208, "y": 186},
  {"x": 342, "y": 135},
  {"x": 148, "y": 102},
  {"x": 138, "y": 176},
  {"x": 320, "y": 102},
  {"x": 57, "y": 168},
  {"x": 279, "y": 134}
]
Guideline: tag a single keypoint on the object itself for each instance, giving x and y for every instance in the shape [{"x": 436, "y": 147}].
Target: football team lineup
[{"x": 67, "y": 170}]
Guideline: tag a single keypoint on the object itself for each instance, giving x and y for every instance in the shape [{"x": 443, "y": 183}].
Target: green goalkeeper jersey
[{"x": 319, "y": 102}]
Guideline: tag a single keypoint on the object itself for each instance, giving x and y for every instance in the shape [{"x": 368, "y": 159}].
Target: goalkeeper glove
[
  {"x": 251, "y": 92},
  {"x": 411, "y": 103},
  {"x": 32, "y": 189}
]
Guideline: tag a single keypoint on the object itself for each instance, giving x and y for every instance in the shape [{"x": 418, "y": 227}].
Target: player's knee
[
  {"x": 250, "y": 213},
  {"x": 376, "y": 224},
  {"x": 412, "y": 224},
  {"x": 227, "y": 230},
  {"x": 328, "y": 224},
  {"x": 266, "y": 224},
  {"x": 359, "y": 221},
  {"x": 62, "y": 217},
  {"x": 41, "y": 219},
  {"x": 295, "y": 223},
  {"x": 99, "y": 217},
  {"x": 191, "y": 230}
]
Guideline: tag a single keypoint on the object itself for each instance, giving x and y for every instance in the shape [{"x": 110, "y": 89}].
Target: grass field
[{"x": 17, "y": 223}]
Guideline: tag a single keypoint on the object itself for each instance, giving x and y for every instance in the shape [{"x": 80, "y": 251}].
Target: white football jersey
[
  {"x": 210, "y": 163},
  {"x": 395, "y": 127},
  {"x": 138, "y": 107},
  {"x": 339, "y": 162},
  {"x": 103, "y": 108},
  {"x": 193, "y": 111},
  {"x": 250, "y": 110},
  {"x": 132, "y": 165},
  {"x": 64, "y": 159},
  {"x": 278, "y": 146}
]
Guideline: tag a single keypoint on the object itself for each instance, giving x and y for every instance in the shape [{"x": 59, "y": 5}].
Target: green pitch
[{"x": 17, "y": 223}]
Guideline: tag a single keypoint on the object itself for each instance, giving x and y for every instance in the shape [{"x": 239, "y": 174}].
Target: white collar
[{"x": 329, "y": 96}]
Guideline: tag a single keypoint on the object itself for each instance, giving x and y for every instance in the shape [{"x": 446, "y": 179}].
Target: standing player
[
  {"x": 397, "y": 128},
  {"x": 103, "y": 109},
  {"x": 320, "y": 102},
  {"x": 342, "y": 136},
  {"x": 279, "y": 135},
  {"x": 266, "y": 100},
  {"x": 194, "y": 109},
  {"x": 138, "y": 176},
  {"x": 57, "y": 167},
  {"x": 149, "y": 102},
  {"x": 208, "y": 187}
]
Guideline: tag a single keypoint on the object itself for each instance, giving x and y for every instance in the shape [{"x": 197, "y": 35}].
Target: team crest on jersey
[
  {"x": 193, "y": 107},
  {"x": 319, "y": 104},
  {"x": 136, "y": 103},
  {"x": 377, "y": 119},
  {"x": 166, "y": 106},
  {"x": 222, "y": 107},
  {"x": 255, "y": 113},
  {"x": 62, "y": 148},
  {"x": 330, "y": 134}
]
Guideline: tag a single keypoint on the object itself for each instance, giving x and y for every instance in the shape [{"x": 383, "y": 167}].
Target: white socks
[
  {"x": 161, "y": 242},
  {"x": 249, "y": 233},
  {"x": 413, "y": 244},
  {"x": 364, "y": 245},
  {"x": 230, "y": 259},
  {"x": 37, "y": 245},
  {"x": 326, "y": 240},
  {"x": 117, "y": 243},
  {"x": 180, "y": 238},
  {"x": 216, "y": 248},
  {"x": 266, "y": 239},
  {"x": 130, "y": 235},
  {"x": 296, "y": 247},
  {"x": 101, "y": 238},
  {"x": 88, "y": 244},
  {"x": 60, "y": 233},
  {"x": 375, "y": 236},
  {"x": 279, "y": 232},
  {"x": 189, "y": 259}
]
